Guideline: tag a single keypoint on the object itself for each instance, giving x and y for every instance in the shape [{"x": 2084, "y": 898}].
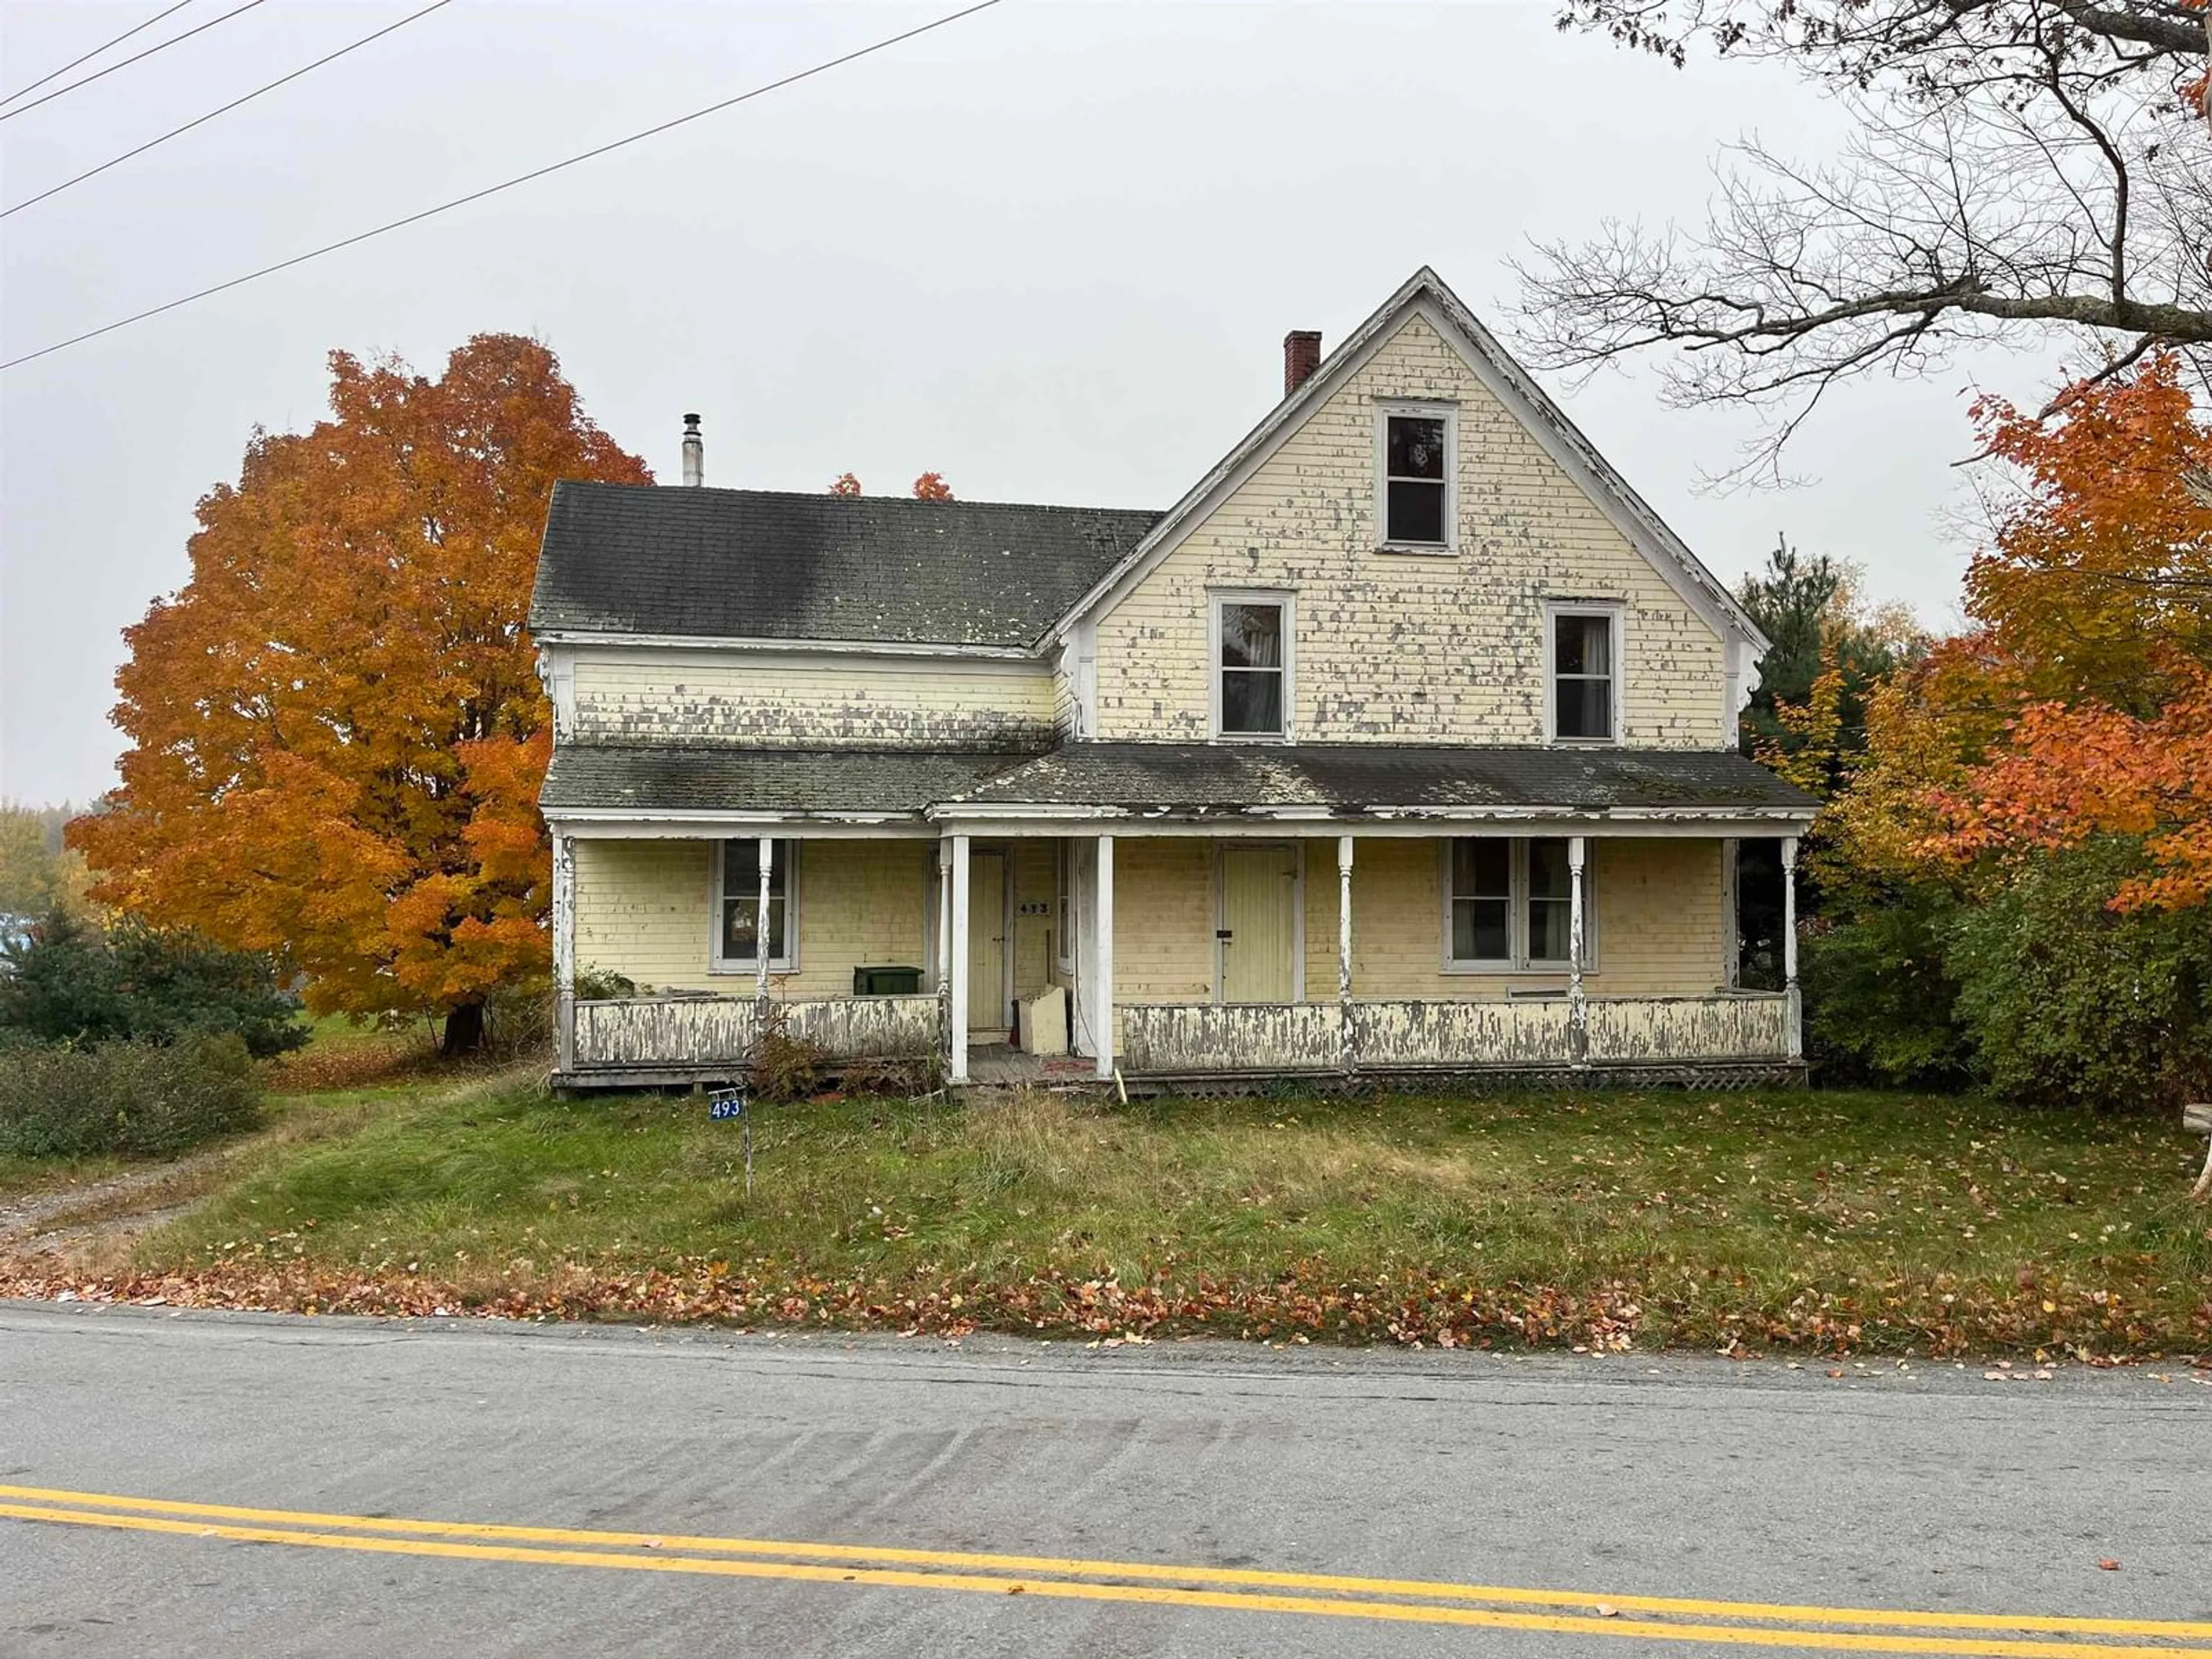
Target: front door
[
  {"x": 989, "y": 1014},
  {"x": 1258, "y": 935}
]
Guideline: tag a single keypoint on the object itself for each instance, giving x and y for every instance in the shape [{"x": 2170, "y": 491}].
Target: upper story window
[
  {"x": 1415, "y": 486},
  {"x": 737, "y": 920},
  {"x": 1509, "y": 904},
  {"x": 1251, "y": 665},
  {"x": 1583, "y": 685}
]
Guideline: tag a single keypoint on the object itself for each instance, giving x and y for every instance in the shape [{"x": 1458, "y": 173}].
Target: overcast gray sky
[{"x": 1050, "y": 251}]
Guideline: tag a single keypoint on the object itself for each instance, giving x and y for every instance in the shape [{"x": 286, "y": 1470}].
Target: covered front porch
[
  {"x": 1227, "y": 954},
  {"x": 1165, "y": 913}
]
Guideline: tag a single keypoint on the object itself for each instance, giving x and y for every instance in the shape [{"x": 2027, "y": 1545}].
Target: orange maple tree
[
  {"x": 337, "y": 733},
  {"x": 929, "y": 487},
  {"x": 2096, "y": 601}
]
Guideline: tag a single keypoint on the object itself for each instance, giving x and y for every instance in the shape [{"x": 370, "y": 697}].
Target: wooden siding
[
  {"x": 645, "y": 909},
  {"x": 810, "y": 702},
  {"x": 643, "y": 1032},
  {"x": 1410, "y": 649},
  {"x": 1656, "y": 917}
]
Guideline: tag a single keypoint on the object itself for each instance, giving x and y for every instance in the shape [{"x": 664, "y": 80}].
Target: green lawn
[{"x": 1875, "y": 1222}]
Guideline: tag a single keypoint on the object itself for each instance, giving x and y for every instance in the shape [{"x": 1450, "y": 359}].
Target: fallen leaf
[{"x": 2108, "y": 1565}]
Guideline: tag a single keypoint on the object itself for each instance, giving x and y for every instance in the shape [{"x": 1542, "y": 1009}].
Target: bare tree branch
[{"x": 2021, "y": 171}]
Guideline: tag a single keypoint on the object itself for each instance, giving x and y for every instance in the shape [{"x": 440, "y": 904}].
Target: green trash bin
[{"x": 886, "y": 981}]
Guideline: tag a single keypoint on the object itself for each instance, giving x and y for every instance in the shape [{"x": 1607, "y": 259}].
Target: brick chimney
[
  {"x": 1301, "y": 357},
  {"x": 695, "y": 452}
]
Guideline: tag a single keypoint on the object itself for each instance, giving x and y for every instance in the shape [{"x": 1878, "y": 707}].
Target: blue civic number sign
[{"x": 726, "y": 1103}]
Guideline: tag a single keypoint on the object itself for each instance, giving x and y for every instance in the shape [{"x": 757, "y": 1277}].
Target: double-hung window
[
  {"x": 1583, "y": 672},
  {"x": 1251, "y": 665},
  {"x": 1509, "y": 905},
  {"x": 1414, "y": 481},
  {"x": 738, "y": 919}
]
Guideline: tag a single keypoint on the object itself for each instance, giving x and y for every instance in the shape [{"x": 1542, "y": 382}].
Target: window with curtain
[
  {"x": 1415, "y": 494},
  {"x": 1251, "y": 668},
  {"x": 737, "y": 940},
  {"x": 1584, "y": 693},
  {"x": 1482, "y": 900},
  {"x": 1512, "y": 903}
]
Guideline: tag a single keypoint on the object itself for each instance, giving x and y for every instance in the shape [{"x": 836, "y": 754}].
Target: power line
[
  {"x": 200, "y": 120},
  {"x": 493, "y": 189},
  {"x": 106, "y": 46},
  {"x": 159, "y": 45}
]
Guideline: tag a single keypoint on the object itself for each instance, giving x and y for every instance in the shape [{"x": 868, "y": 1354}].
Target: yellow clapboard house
[{"x": 1402, "y": 745}]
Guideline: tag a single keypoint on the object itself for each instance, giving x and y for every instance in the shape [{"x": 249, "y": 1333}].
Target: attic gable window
[
  {"x": 1415, "y": 485},
  {"x": 1251, "y": 665}
]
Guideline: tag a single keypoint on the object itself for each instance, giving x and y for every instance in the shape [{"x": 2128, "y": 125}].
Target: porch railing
[
  {"x": 690, "y": 1032},
  {"x": 1192, "y": 1039}
]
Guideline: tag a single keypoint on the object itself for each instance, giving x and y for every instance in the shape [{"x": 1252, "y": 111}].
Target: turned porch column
[
  {"x": 959, "y": 948},
  {"x": 1577, "y": 1003},
  {"x": 1347, "y": 1043},
  {"x": 1796, "y": 1012},
  {"x": 564, "y": 952},
  {"x": 762, "y": 949},
  {"x": 1101, "y": 990}
]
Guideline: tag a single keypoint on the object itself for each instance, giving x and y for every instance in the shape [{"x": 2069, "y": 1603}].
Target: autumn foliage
[
  {"x": 2097, "y": 603},
  {"x": 337, "y": 733},
  {"x": 929, "y": 487}
]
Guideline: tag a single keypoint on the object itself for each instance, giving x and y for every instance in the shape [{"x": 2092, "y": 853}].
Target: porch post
[
  {"x": 945, "y": 949},
  {"x": 1577, "y": 1004},
  {"x": 1796, "y": 1012},
  {"x": 1347, "y": 1043},
  {"x": 761, "y": 946},
  {"x": 1102, "y": 992},
  {"x": 564, "y": 952},
  {"x": 958, "y": 945}
]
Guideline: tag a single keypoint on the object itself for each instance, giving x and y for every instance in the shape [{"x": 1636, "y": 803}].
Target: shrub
[
  {"x": 2066, "y": 1000},
  {"x": 76, "y": 982},
  {"x": 1881, "y": 1006},
  {"x": 142, "y": 1098}
]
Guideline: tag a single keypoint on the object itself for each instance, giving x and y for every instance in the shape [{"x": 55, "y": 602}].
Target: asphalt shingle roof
[
  {"x": 585, "y": 776},
  {"x": 763, "y": 564},
  {"x": 1350, "y": 776},
  {"x": 1145, "y": 777}
]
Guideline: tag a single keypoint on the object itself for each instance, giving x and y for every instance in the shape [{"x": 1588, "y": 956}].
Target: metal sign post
[{"x": 723, "y": 1105}]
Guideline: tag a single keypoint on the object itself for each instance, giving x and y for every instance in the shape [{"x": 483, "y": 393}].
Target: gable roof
[
  {"x": 757, "y": 564},
  {"x": 1426, "y": 294}
]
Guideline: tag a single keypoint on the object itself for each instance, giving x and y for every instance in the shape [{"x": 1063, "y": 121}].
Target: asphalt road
[{"x": 700, "y": 1494}]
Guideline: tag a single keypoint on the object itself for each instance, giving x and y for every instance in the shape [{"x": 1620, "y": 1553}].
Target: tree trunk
[{"x": 464, "y": 1031}]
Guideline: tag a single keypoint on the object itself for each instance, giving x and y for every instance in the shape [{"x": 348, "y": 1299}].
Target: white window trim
[
  {"x": 1516, "y": 914},
  {"x": 785, "y": 964},
  {"x": 1612, "y": 611},
  {"x": 1449, "y": 413},
  {"x": 1287, "y": 598}
]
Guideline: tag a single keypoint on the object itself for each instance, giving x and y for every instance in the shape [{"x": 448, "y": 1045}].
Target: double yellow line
[{"x": 1404, "y": 1601}]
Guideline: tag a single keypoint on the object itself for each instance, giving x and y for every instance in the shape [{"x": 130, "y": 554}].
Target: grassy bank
[{"x": 1868, "y": 1222}]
